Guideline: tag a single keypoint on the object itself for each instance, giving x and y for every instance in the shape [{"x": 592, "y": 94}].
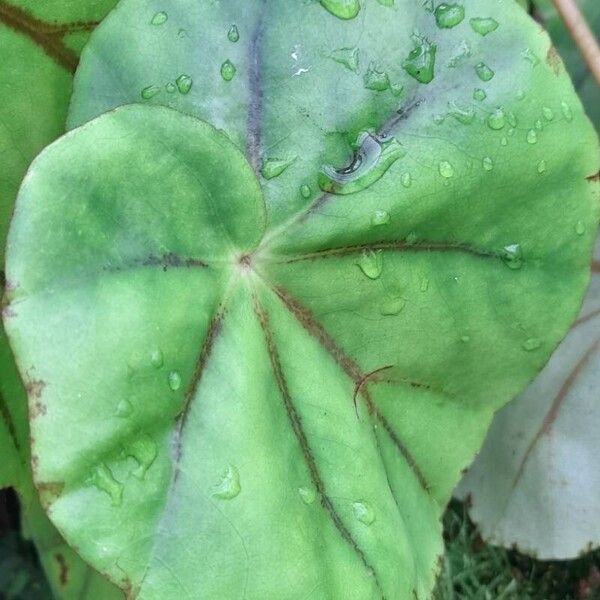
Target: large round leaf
[
  {"x": 536, "y": 483},
  {"x": 282, "y": 410}
]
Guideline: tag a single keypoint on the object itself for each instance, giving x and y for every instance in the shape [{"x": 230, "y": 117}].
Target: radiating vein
[
  {"x": 299, "y": 433},
  {"x": 311, "y": 325},
  {"x": 391, "y": 246},
  {"x": 45, "y": 35}
]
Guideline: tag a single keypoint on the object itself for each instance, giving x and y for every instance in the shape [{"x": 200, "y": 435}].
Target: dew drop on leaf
[
  {"x": 343, "y": 9},
  {"x": 548, "y": 113},
  {"x": 124, "y": 408},
  {"x": 373, "y": 157},
  {"x": 143, "y": 451},
  {"x": 105, "y": 481},
  {"x": 420, "y": 62},
  {"x": 465, "y": 339},
  {"x": 531, "y": 344},
  {"x": 424, "y": 284},
  {"x": 305, "y": 191},
  {"x": 156, "y": 358},
  {"x": 391, "y": 305},
  {"x": 274, "y": 167},
  {"x": 446, "y": 169},
  {"x": 184, "y": 84},
  {"x": 538, "y": 124},
  {"x": 529, "y": 55},
  {"x": 233, "y": 35},
  {"x": 463, "y": 114},
  {"x": 230, "y": 485},
  {"x": 380, "y": 217},
  {"x": 349, "y": 57},
  {"x": 363, "y": 512},
  {"x": 566, "y": 111},
  {"x": 307, "y": 494},
  {"x": 504, "y": 141},
  {"x": 174, "y": 380},
  {"x": 449, "y": 15},
  {"x": 149, "y": 92},
  {"x": 484, "y": 72},
  {"x": 541, "y": 168},
  {"x": 375, "y": 78},
  {"x": 579, "y": 228},
  {"x": 483, "y": 26},
  {"x": 228, "y": 70},
  {"x": 531, "y": 136},
  {"x": 159, "y": 18},
  {"x": 371, "y": 263},
  {"x": 512, "y": 255},
  {"x": 479, "y": 94},
  {"x": 171, "y": 87},
  {"x": 406, "y": 180},
  {"x": 497, "y": 120},
  {"x": 488, "y": 163}
]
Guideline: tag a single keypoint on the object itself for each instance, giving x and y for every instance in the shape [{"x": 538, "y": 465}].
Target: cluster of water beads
[{"x": 183, "y": 84}]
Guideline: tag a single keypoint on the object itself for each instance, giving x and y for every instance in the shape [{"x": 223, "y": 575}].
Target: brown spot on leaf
[
  {"x": 49, "y": 492},
  {"x": 37, "y": 409},
  {"x": 63, "y": 571},
  {"x": 553, "y": 60},
  {"x": 595, "y": 178},
  {"x": 35, "y": 387}
]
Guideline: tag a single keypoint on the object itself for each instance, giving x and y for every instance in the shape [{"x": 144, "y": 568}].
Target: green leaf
[
  {"x": 535, "y": 484},
  {"x": 263, "y": 389},
  {"x": 40, "y": 44},
  {"x": 586, "y": 86}
]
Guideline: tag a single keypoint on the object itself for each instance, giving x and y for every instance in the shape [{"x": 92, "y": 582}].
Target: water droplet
[
  {"x": 529, "y": 55},
  {"x": 566, "y": 111},
  {"x": 171, "y": 87},
  {"x": 548, "y": 113},
  {"x": 230, "y": 485},
  {"x": 520, "y": 95},
  {"x": 182, "y": 33},
  {"x": 150, "y": 92},
  {"x": 504, "y": 141},
  {"x": 372, "y": 159},
  {"x": 363, "y": 512},
  {"x": 406, "y": 180},
  {"x": 461, "y": 52},
  {"x": 371, "y": 263},
  {"x": 438, "y": 119},
  {"x": 105, "y": 481},
  {"x": 483, "y": 26},
  {"x": 156, "y": 358},
  {"x": 392, "y": 305},
  {"x": 143, "y": 451},
  {"x": 449, "y": 15},
  {"x": 184, "y": 84},
  {"x": 124, "y": 408},
  {"x": 174, "y": 380},
  {"x": 427, "y": 5},
  {"x": 305, "y": 191},
  {"x": 228, "y": 70},
  {"x": 484, "y": 72},
  {"x": 465, "y": 338},
  {"x": 375, "y": 78},
  {"x": 463, "y": 114},
  {"x": 579, "y": 228},
  {"x": 531, "y": 136},
  {"x": 511, "y": 131},
  {"x": 446, "y": 169},
  {"x": 420, "y": 62},
  {"x": 512, "y": 120},
  {"x": 380, "y": 217},
  {"x": 396, "y": 88},
  {"x": 349, "y": 57},
  {"x": 424, "y": 284},
  {"x": 308, "y": 495},
  {"x": 274, "y": 167},
  {"x": 343, "y": 9},
  {"x": 159, "y": 18},
  {"x": 488, "y": 163},
  {"x": 233, "y": 35},
  {"x": 496, "y": 120},
  {"x": 541, "y": 168},
  {"x": 531, "y": 344},
  {"x": 411, "y": 238},
  {"x": 512, "y": 255},
  {"x": 538, "y": 124},
  {"x": 479, "y": 94}
]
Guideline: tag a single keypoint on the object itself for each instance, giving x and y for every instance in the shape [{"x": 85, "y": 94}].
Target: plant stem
[{"x": 581, "y": 33}]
